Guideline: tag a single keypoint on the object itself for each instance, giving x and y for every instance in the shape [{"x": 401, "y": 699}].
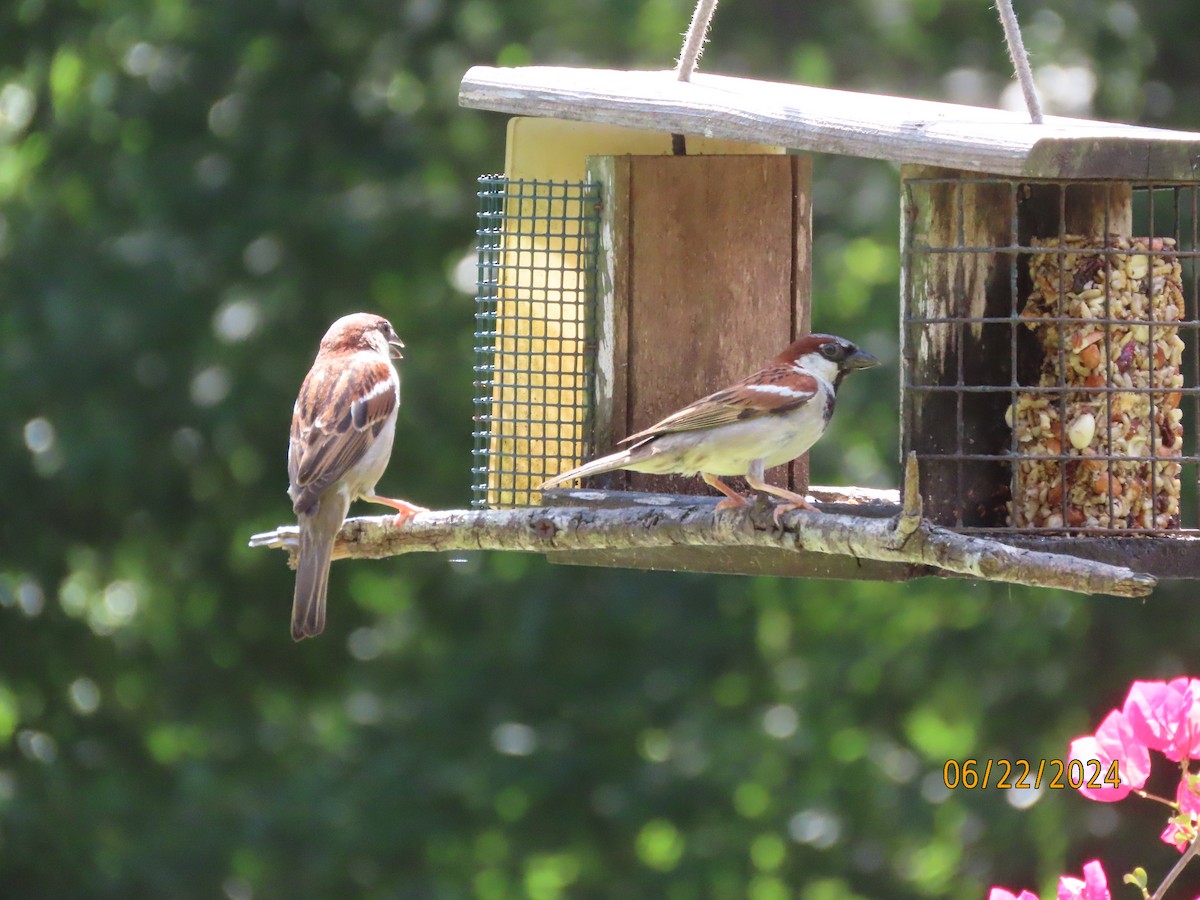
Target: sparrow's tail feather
[
  {"x": 312, "y": 582},
  {"x": 318, "y": 530},
  {"x": 610, "y": 463}
]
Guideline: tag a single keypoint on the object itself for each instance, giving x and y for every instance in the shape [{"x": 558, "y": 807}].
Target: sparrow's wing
[
  {"x": 339, "y": 414},
  {"x": 774, "y": 390}
]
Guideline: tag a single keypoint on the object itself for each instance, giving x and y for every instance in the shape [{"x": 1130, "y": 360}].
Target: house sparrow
[
  {"x": 762, "y": 421},
  {"x": 342, "y": 430}
]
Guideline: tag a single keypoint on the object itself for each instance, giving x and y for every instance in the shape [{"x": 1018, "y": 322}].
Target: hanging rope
[
  {"x": 689, "y": 55},
  {"x": 693, "y": 41},
  {"x": 1020, "y": 59}
]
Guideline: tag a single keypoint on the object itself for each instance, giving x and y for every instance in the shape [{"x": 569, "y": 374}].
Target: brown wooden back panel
[{"x": 708, "y": 277}]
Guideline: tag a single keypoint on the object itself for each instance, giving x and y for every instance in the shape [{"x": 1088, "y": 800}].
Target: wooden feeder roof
[{"x": 821, "y": 120}]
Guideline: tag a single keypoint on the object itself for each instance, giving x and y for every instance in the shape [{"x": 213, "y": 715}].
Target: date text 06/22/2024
[{"x": 1023, "y": 774}]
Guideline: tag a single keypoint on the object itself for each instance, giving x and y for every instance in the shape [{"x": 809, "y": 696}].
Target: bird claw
[
  {"x": 783, "y": 509},
  {"x": 404, "y": 509},
  {"x": 730, "y": 503},
  {"x": 404, "y": 516},
  {"x": 402, "y": 519}
]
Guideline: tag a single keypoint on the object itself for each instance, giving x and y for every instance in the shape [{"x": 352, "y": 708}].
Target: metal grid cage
[
  {"x": 1050, "y": 380},
  {"x": 534, "y": 335}
]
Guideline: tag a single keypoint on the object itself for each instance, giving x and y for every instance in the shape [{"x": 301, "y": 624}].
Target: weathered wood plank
[
  {"x": 801, "y": 290},
  {"x": 953, "y": 209},
  {"x": 1167, "y": 558},
  {"x": 872, "y": 503},
  {"x": 1175, "y": 556},
  {"x": 612, "y": 303},
  {"x": 829, "y": 121},
  {"x": 746, "y": 561}
]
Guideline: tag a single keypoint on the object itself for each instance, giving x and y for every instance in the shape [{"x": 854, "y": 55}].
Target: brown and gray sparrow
[
  {"x": 342, "y": 430},
  {"x": 765, "y": 420}
]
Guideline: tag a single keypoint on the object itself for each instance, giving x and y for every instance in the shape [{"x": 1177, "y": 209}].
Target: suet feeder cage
[{"x": 1050, "y": 384}]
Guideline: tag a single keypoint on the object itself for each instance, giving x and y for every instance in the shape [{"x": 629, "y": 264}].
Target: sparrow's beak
[
  {"x": 859, "y": 359},
  {"x": 396, "y": 346}
]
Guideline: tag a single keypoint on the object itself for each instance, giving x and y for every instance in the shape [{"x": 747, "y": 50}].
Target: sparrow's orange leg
[
  {"x": 794, "y": 500},
  {"x": 734, "y": 498},
  {"x": 407, "y": 510}
]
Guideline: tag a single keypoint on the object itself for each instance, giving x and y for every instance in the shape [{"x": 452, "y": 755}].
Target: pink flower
[
  {"x": 1189, "y": 806},
  {"x": 1174, "y": 834},
  {"x": 1093, "y": 886},
  {"x": 1114, "y": 741},
  {"x": 1165, "y": 716},
  {"x": 1186, "y": 796}
]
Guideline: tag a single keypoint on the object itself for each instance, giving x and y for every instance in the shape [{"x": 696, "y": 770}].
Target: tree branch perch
[{"x": 547, "y": 529}]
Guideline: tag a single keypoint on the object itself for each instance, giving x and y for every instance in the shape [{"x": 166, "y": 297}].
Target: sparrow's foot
[
  {"x": 737, "y": 502},
  {"x": 733, "y": 500},
  {"x": 783, "y": 509},
  {"x": 403, "y": 518},
  {"x": 405, "y": 509},
  {"x": 791, "y": 500}
]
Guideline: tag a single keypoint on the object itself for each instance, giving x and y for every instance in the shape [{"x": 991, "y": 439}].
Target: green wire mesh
[
  {"x": 534, "y": 338},
  {"x": 1069, "y": 401}
]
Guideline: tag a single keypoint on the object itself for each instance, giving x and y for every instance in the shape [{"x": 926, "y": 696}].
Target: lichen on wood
[{"x": 905, "y": 537}]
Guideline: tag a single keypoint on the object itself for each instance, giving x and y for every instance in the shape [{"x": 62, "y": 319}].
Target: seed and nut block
[{"x": 1105, "y": 318}]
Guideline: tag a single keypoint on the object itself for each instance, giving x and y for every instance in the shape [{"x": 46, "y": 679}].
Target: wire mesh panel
[
  {"x": 1049, "y": 373},
  {"x": 535, "y": 351}
]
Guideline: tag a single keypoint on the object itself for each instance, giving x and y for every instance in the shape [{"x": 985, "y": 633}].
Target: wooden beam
[
  {"x": 870, "y": 503},
  {"x": 1175, "y": 556},
  {"x": 746, "y": 561},
  {"x": 820, "y": 120}
]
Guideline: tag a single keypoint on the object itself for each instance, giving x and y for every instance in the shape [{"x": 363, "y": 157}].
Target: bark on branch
[{"x": 902, "y": 538}]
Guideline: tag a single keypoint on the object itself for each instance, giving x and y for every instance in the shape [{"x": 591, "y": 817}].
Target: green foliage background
[{"x": 189, "y": 193}]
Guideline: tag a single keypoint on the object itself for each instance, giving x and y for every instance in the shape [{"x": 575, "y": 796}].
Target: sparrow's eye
[{"x": 832, "y": 352}]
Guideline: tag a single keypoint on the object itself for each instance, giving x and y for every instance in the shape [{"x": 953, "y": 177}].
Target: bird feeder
[{"x": 1049, "y": 374}]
